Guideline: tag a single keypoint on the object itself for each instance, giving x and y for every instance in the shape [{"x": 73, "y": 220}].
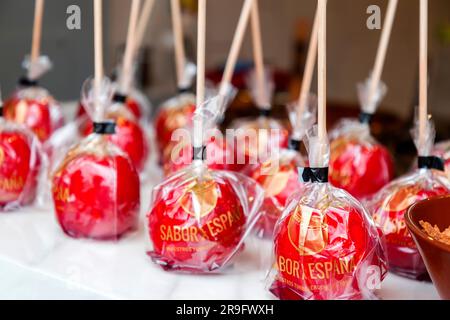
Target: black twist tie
[
  {"x": 199, "y": 153},
  {"x": 431, "y": 163},
  {"x": 313, "y": 175},
  {"x": 182, "y": 90},
  {"x": 294, "y": 144},
  {"x": 25, "y": 82},
  {"x": 264, "y": 112},
  {"x": 365, "y": 118},
  {"x": 105, "y": 127},
  {"x": 119, "y": 98},
  {"x": 1, "y": 111}
]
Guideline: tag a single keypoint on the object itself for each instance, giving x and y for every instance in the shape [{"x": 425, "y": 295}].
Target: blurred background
[{"x": 286, "y": 28}]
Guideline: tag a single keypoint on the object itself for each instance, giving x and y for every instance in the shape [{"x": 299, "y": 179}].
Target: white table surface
[{"x": 38, "y": 261}]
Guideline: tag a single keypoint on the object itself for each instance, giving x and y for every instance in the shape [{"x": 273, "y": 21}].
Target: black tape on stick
[
  {"x": 314, "y": 175},
  {"x": 199, "y": 153},
  {"x": 365, "y": 117},
  {"x": 294, "y": 144},
  {"x": 264, "y": 113},
  {"x": 26, "y": 83},
  {"x": 431, "y": 163},
  {"x": 119, "y": 98},
  {"x": 105, "y": 127}
]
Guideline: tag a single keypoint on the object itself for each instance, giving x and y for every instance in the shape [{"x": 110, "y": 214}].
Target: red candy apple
[
  {"x": 172, "y": 118},
  {"x": 322, "y": 253},
  {"x": 96, "y": 191},
  {"x": 39, "y": 113},
  {"x": 359, "y": 167},
  {"x": 279, "y": 181},
  {"x": 197, "y": 226},
  {"x": 389, "y": 211},
  {"x": 19, "y": 168},
  {"x": 129, "y": 137}
]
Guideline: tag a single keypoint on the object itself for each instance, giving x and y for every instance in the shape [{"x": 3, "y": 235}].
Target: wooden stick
[
  {"x": 177, "y": 25},
  {"x": 37, "y": 30},
  {"x": 382, "y": 49},
  {"x": 309, "y": 69},
  {"x": 201, "y": 44},
  {"x": 258, "y": 52},
  {"x": 147, "y": 9},
  {"x": 98, "y": 43},
  {"x": 236, "y": 45},
  {"x": 322, "y": 71},
  {"x": 130, "y": 47},
  {"x": 423, "y": 93}
]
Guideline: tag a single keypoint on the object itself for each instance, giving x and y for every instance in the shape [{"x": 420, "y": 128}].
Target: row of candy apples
[
  {"x": 201, "y": 224},
  {"x": 326, "y": 244}
]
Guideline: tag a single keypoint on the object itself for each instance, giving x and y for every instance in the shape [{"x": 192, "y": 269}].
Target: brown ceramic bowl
[{"x": 435, "y": 254}]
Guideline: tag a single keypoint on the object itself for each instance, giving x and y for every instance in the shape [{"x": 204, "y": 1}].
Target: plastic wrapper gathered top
[
  {"x": 257, "y": 137},
  {"x": 278, "y": 175},
  {"x": 390, "y": 204},
  {"x": 326, "y": 245},
  {"x": 358, "y": 163},
  {"x": 20, "y": 164},
  {"x": 32, "y": 105},
  {"x": 96, "y": 189},
  {"x": 199, "y": 217}
]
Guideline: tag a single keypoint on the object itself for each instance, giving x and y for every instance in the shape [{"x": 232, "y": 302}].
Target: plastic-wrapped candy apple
[
  {"x": 20, "y": 164},
  {"x": 129, "y": 135},
  {"x": 326, "y": 245},
  {"x": 96, "y": 189},
  {"x": 32, "y": 105},
  {"x": 200, "y": 217},
  {"x": 443, "y": 151},
  {"x": 390, "y": 204},
  {"x": 278, "y": 175},
  {"x": 358, "y": 163},
  {"x": 254, "y": 138}
]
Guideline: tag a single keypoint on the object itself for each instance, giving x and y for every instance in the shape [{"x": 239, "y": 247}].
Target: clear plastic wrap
[
  {"x": 96, "y": 190},
  {"x": 33, "y": 105},
  {"x": 278, "y": 175},
  {"x": 255, "y": 136},
  {"x": 326, "y": 245},
  {"x": 199, "y": 217},
  {"x": 20, "y": 165},
  {"x": 390, "y": 204},
  {"x": 358, "y": 163}
]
